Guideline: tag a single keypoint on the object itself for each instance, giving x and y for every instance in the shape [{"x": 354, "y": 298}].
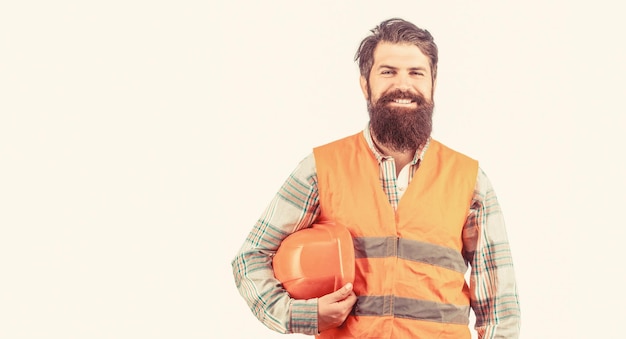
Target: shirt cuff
[{"x": 304, "y": 316}]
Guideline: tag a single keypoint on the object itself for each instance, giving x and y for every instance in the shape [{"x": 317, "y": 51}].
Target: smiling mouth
[
  {"x": 399, "y": 98},
  {"x": 402, "y": 101}
]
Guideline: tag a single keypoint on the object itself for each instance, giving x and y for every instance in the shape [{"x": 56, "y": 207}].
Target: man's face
[
  {"x": 398, "y": 67},
  {"x": 399, "y": 94}
]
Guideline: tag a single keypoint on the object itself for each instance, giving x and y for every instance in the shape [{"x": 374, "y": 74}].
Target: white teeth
[{"x": 402, "y": 101}]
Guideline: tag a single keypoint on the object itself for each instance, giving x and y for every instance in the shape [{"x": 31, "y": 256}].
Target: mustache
[{"x": 399, "y": 94}]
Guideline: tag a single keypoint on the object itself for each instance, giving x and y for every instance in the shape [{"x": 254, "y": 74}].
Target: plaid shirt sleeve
[
  {"x": 493, "y": 290},
  {"x": 294, "y": 207}
]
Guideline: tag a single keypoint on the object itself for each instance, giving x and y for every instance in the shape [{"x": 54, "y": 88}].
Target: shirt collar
[{"x": 367, "y": 134}]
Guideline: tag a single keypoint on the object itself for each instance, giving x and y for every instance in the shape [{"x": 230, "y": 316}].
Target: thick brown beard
[{"x": 401, "y": 129}]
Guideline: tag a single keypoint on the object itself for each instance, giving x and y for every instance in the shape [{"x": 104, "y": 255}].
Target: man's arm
[
  {"x": 294, "y": 207},
  {"x": 493, "y": 288}
]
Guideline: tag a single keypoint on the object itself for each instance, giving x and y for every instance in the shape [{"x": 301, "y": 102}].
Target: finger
[
  {"x": 349, "y": 301},
  {"x": 343, "y": 292}
]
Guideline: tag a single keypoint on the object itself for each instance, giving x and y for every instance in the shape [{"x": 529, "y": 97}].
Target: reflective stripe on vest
[
  {"x": 411, "y": 309},
  {"x": 413, "y": 250}
]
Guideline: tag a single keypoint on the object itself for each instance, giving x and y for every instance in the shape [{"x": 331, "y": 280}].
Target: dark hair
[{"x": 397, "y": 31}]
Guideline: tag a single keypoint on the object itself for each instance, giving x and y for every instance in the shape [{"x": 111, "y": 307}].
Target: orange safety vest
[{"x": 410, "y": 273}]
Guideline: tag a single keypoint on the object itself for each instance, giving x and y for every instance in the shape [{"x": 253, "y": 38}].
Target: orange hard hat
[{"x": 315, "y": 261}]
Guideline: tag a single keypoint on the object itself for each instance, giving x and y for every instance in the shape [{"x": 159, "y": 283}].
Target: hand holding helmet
[{"x": 318, "y": 262}]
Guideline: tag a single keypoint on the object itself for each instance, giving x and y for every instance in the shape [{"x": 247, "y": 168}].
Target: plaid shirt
[{"x": 493, "y": 292}]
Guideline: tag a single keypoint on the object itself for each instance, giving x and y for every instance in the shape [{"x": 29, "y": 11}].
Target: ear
[{"x": 363, "y": 83}]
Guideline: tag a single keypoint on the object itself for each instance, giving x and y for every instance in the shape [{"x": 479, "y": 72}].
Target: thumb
[{"x": 342, "y": 293}]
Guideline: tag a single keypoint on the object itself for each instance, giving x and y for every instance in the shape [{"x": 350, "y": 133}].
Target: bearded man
[{"x": 419, "y": 213}]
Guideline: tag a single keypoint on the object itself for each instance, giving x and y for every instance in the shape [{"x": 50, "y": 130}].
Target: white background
[{"x": 141, "y": 140}]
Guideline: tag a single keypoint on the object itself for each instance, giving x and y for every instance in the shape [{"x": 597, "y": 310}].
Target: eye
[{"x": 387, "y": 72}]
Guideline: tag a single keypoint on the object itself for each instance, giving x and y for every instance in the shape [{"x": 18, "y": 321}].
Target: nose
[{"x": 403, "y": 82}]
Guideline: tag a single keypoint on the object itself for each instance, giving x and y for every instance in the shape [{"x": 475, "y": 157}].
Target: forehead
[{"x": 399, "y": 56}]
